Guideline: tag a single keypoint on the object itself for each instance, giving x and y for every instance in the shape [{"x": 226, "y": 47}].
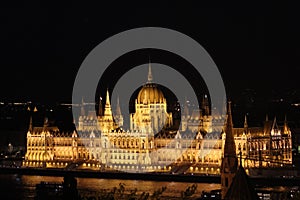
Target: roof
[
  {"x": 241, "y": 187},
  {"x": 150, "y": 93}
]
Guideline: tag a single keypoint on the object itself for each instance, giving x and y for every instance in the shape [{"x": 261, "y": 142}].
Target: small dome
[{"x": 150, "y": 93}]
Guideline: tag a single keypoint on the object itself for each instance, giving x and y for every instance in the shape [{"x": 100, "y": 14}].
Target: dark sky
[{"x": 255, "y": 45}]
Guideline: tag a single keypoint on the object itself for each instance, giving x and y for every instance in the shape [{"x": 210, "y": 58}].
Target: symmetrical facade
[{"x": 151, "y": 144}]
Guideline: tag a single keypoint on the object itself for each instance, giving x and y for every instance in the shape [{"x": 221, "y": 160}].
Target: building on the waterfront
[{"x": 196, "y": 147}]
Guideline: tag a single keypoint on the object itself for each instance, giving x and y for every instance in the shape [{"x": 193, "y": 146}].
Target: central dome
[{"x": 150, "y": 93}]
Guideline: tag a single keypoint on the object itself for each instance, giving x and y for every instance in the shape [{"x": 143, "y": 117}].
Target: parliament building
[{"x": 150, "y": 144}]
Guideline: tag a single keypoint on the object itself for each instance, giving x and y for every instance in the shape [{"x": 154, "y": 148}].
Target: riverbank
[
  {"x": 111, "y": 175},
  {"x": 195, "y": 178}
]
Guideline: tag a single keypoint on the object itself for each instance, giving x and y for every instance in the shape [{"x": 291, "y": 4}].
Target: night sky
[{"x": 255, "y": 45}]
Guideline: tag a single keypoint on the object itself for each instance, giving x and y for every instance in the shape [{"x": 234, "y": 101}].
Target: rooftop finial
[
  {"x": 150, "y": 78},
  {"x": 245, "y": 122},
  {"x": 107, "y": 98}
]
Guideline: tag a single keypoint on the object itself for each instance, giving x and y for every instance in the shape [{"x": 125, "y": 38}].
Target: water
[{"x": 23, "y": 187}]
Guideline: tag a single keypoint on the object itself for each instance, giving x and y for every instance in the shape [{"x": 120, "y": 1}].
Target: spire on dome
[{"x": 150, "y": 78}]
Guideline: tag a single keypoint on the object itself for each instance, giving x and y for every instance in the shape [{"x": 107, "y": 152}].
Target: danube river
[{"x": 23, "y": 186}]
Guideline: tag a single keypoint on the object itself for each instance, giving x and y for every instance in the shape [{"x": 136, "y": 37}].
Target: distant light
[
  {"x": 51, "y": 110},
  {"x": 18, "y": 103}
]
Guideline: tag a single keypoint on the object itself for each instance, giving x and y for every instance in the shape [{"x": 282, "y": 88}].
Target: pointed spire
[
  {"x": 118, "y": 108},
  {"x": 107, "y": 109},
  {"x": 229, "y": 161},
  {"x": 267, "y": 117},
  {"x": 100, "y": 109},
  {"x": 229, "y": 148},
  {"x": 35, "y": 109},
  {"x": 150, "y": 78},
  {"x": 107, "y": 121},
  {"x": 245, "y": 122},
  {"x": 107, "y": 98}
]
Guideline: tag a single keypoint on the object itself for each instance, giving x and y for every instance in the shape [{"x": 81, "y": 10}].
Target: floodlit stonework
[{"x": 150, "y": 144}]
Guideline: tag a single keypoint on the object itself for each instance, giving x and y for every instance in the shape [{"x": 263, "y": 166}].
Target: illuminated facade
[{"x": 196, "y": 147}]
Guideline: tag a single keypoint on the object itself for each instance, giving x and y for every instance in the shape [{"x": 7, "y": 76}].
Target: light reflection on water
[{"x": 23, "y": 187}]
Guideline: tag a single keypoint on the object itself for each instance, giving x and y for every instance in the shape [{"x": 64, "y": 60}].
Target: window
[{"x": 226, "y": 182}]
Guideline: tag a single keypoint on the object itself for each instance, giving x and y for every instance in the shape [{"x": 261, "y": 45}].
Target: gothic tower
[
  {"x": 229, "y": 160},
  {"x": 107, "y": 121}
]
